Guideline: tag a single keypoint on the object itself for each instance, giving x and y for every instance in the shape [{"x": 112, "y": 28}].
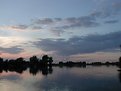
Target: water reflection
[
  {"x": 119, "y": 70},
  {"x": 44, "y": 70},
  {"x": 33, "y": 70},
  {"x": 62, "y": 79},
  {"x": 120, "y": 76}
]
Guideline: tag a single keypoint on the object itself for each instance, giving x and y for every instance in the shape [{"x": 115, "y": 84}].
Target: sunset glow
[{"x": 65, "y": 29}]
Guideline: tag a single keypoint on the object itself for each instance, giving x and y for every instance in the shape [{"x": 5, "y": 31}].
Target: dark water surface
[{"x": 91, "y": 78}]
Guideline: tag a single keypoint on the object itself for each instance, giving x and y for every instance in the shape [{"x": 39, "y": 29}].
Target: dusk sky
[{"x": 75, "y": 30}]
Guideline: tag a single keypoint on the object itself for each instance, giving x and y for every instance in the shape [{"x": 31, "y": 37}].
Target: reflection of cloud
[
  {"x": 78, "y": 45},
  {"x": 10, "y": 77},
  {"x": 79, "y": 79}
]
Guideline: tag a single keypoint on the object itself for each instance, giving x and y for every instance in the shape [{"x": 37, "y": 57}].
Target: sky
[{"x": 73, "y": 30}]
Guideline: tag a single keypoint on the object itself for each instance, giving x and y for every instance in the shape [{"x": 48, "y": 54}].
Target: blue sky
[{"x": 65, "y": 29}]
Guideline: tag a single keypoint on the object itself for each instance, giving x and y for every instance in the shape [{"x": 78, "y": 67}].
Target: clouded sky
[{"x": 65, "y": 29}]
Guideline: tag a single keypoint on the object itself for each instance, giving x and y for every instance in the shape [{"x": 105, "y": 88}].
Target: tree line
[{"x": 34, "y": 64}]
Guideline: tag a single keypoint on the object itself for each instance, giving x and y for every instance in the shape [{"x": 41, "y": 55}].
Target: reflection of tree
[
  {"x": 119, "y": 67},
  {"x": 33, "y": 70},
  {"x": 45, "y": 70},
  {"x": 119, "y": 76},
  {"x": 50, "y": 70},
  {"x": 34, "y": 64},
  {"x": 120, "y": 57}
]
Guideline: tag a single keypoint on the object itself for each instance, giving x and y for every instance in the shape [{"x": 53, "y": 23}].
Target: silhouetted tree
[
  {"x": 120, "y": 67},
  {"x": 34, "y": 60},
  {"x": 120, "y": 58},
  {"x": 1, "y": 59},
  {"x": 35, "y": 65},
  {"x": 1, "y": 65},
  {"x": 50, "y": 60},
  {"x": 45, "y": 59},
  {"x": 19, "y": 60}
]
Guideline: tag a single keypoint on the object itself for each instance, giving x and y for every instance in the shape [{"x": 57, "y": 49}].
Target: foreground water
[{"x": 91, "y": 78}]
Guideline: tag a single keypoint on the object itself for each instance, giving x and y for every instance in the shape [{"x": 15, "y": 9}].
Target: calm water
[{"x": 64, "y": 79}]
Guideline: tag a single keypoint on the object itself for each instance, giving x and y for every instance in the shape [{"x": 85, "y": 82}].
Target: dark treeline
[
  {"x": 120, "y": 60},
  {"x": 34, "y": 64},
  {"x": 104, "y": 63},
  {"x": 45, "y": 64},
  {"x": 84, "y": 64},
  {"x": 71, "y": 64},
  {"x": 119, "y": 67}
]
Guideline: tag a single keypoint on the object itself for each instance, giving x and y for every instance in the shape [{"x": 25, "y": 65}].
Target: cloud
[
  {"x": 43, "y": 21},
  {"x": 20, "y": 27},
  {"x": 57, "y": 26},
  {"x": 11, "y": 50},
  {"x": 80, "y": 45},
  {"x": 36, "y": 27},
  {"x": 84, "y": 21},
  {"x": 57, "y": 32},
  {"x": 14, "y": 27},
  {"x": 111, "y": 21},
  {"x": 4, "y": 33},
  {"x": 107, "y": 8}
]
